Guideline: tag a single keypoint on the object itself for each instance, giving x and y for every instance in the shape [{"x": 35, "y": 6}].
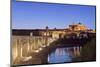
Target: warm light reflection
[
  {"x": 27, "y": 58},
  {"x": 36, "y": 51},
  {"x": 40, "y": 49}
]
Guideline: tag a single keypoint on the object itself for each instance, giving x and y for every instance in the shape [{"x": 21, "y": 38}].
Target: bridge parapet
[{"x": 23, "y": 45}]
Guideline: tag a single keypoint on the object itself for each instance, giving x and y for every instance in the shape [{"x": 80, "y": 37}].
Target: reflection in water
[{"x": 61, "y": 55}]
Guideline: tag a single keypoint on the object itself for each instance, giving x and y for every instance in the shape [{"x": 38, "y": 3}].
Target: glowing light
[
  {"x": 36, "y": 51},
  {"x": 40, "y": 49},
  {"x": 27, "y": 58}
]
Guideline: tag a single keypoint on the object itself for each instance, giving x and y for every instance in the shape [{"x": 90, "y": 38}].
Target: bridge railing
[{"x": 23, "y": 45}]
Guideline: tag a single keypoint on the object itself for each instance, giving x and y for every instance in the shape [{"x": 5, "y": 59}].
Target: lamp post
[{"x": 46, "y": 41}]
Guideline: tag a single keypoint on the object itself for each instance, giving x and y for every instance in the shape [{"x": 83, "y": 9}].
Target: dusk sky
[{"x": 34, "y": 15}]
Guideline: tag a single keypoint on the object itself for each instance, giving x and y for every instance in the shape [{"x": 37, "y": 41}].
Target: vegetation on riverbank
[{"x": 88, "y": 51}]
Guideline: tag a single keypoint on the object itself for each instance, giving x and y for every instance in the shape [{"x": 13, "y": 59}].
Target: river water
[{"x": 61, "y": 55}]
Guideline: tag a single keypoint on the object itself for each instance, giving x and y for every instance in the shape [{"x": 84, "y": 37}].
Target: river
[{"x": 61, "y": 55}]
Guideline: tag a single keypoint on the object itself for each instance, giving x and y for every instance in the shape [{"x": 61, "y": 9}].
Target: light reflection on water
[{"x": 61, "y": 55}]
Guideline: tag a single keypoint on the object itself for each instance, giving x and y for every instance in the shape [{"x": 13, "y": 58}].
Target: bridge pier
[{"x": 77, "y": 51}]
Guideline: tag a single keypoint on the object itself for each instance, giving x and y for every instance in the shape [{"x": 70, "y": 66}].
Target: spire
[
  {"x": 47, "y": 27},
  {"x": 80, "y": 23}
]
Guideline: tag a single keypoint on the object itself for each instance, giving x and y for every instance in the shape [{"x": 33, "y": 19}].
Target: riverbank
[{"x": 88, "y": 52}]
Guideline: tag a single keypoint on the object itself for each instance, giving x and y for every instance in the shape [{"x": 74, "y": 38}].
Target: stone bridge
[{"x": 23, "y": 47}]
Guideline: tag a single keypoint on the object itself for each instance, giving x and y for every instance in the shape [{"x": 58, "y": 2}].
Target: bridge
[{"x": 25, "y": 48}]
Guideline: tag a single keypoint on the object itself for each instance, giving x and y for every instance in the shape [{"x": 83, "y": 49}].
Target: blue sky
[{"x": 34, "y": 15}]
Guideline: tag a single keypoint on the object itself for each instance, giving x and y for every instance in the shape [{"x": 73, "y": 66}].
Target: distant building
[
  {"x": 54, "y": 33},
  {"x": 77, "y": 27}
]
